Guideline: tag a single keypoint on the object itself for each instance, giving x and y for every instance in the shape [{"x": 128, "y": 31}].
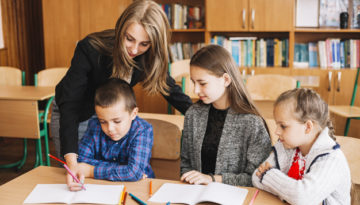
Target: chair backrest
[
  {"x": 10, "y": 76},
  {"x": 272, "y": 127},
  {"x": 269, "y": 86},
  {"x": 50, "y": 76},
  {"x": 167, "y": 137},
  {"x": 180, "y": 71}
]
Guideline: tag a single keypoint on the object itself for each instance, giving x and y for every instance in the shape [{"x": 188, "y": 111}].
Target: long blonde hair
[
  {"x": 308, "y": 106},
  {"x": 154, "y": 62},
  {"x": 217, "y": 60}
]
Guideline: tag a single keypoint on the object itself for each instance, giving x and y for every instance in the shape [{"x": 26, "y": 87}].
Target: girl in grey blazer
[{"x": 224, "y": 138}]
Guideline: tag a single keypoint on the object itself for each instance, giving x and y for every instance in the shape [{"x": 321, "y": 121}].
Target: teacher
[{"x": 135, "y": 51}]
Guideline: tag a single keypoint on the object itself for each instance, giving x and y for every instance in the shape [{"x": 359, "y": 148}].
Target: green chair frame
[
  {"x": 43, "y": 116},
  {"x": 352, "y": 102}
]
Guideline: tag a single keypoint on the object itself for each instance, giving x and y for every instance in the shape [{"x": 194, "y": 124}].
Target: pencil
[
  {"x": 253, "y": 198},
  {"x": 122, "y": 196},
  {"x": 139, "y": 201},
  {"x": 57, "y": 159},
  {"x": 125, "y": 198},
  {"x": 150, "y": 188}
]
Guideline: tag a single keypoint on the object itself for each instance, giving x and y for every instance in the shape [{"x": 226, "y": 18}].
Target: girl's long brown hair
[
  {"x": 154, "y": 62},
  {"x": 218, "y": 61}
]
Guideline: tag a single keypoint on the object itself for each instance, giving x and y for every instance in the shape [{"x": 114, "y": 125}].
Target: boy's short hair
[{"x": 113, "y": 91}]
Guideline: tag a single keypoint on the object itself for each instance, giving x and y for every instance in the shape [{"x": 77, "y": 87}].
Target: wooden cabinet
[
  {"x": 227, "y": 15},
  {"x": 249, "y": 15}
]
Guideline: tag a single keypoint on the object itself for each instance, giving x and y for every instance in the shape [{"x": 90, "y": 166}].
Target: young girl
[
  {"x": 306, "y": 165},
  {"x": 224, "y": 137}
]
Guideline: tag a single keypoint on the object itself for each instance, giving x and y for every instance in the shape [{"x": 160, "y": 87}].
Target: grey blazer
[{"x": 244, "y": 144}]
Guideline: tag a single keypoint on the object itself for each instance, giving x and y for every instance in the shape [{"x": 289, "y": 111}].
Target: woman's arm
[{"x": 176, "y": 97}]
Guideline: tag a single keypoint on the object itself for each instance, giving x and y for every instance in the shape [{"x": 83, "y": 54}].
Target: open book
[
  {"x": 193, "y": 194},
  {"x": 60, "y": 193}
]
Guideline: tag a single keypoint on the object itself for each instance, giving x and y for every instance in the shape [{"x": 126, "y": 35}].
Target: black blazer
[{"x": 75, "y": 92}]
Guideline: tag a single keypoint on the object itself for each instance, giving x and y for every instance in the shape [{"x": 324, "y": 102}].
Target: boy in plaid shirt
[{"x": 117, "y": 144}]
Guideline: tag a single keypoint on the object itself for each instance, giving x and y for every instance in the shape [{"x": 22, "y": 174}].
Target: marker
[
  {"x": 137, "y": 199},
  {"x": 125, "y": 198},
  {"x": 74, "y": 177},
  {"x": 168, "y": 203}
]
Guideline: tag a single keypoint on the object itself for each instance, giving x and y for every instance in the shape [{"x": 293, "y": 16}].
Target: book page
[
  {"x": 99, "y": 194},
  {"x": 177, "y": 193},
  {"x": 223, "y": 194},
  {"x": 50, "y": 193}
]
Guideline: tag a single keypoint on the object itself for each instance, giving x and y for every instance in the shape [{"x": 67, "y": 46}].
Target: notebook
[
  {"x": 60, "y": 193},
  {"x": 192, "y": 194}
]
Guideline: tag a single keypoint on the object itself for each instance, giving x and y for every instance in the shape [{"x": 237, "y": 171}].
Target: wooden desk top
[
  {"x": 25, "y": 92},
  {"x": 16, "y": 191}
]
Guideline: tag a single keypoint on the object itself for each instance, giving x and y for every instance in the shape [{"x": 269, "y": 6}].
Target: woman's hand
[
  {"x": 262, "y": 169},
  {"x": 195, "y": 177},
  {"x": 71, "y": 162}
]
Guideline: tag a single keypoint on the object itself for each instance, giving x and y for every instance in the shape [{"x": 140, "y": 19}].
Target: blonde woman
[{"x": 135, "y": 51}]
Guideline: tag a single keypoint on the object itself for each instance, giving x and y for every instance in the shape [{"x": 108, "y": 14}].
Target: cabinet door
[
  {"x": 274, "y": 15},
  {"x": 343, "y": 86},
  {"x": 226, "y": 15}
]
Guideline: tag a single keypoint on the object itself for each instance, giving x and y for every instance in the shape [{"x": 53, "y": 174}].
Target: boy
[{"x": 117, "y": 144}]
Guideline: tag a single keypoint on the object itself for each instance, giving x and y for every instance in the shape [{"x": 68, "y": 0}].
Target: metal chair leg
[
  {"x": 347, "y": 126},
  {"x": 39, "y": 161},
  {"x": 19, "y": 163}
]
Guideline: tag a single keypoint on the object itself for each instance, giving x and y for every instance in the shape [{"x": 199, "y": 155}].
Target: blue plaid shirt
[{"x": 124, "y": 160}]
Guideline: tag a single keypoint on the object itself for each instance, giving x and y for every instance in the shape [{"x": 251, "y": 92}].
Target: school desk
[
  {"x": 16, "y": 190},
  {"x": 19, "y": 110}
]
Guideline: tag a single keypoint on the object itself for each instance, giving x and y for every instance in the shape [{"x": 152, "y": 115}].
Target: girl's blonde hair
[
  {"x": 154, "y": 62},
  {"x": 308, "y": 106},
  {"x": 218, "y": 61}
]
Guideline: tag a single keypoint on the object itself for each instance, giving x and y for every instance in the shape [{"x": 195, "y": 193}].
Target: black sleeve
[
  {"x": 70, "y": 95},
  {"x": 176, "y": 97}
]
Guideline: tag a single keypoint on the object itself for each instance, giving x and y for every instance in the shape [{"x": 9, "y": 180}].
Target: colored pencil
[
  {"x": 139, "y": 201},
  {"x": 150, "y": 188},
  {"x": 125, "y": 198},
  {"x": 253, "y": 198},
  {"x": 74, "y": 177},
  {"x": 57, "y": 159}
]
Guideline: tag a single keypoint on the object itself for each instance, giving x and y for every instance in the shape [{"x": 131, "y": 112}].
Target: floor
[{"x": 11, "y": 150}]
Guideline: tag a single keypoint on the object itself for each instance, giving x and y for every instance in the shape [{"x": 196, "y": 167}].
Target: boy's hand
[
  {"x": 262, "y": 169},
  {"x": 195, "y": 177},
  {"x": 86, "y": 169},
  {"x": 71, "y": 161}
]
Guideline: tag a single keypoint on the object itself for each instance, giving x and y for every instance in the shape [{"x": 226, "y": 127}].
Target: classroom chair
[
  {"x": 348, "y": 111},
  {"x": 48, "y": 77},
  {"x": 165, "y": 159},
  {"x": 264, "y": 89},
  {"x": 180, "y": 71},
  {"x": 13, "y": 76}
]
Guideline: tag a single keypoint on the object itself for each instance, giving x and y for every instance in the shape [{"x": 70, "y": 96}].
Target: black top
[
  {"x": 75, "y": 92},
  {"x": 211, "y": 141}
]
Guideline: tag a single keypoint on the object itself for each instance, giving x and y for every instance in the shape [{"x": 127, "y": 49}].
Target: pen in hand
[{"x": 74, "y": 177}]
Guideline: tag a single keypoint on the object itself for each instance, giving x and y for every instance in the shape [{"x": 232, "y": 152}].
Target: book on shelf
[
  {"x": 181, "y": 51},
  {"x": 182, "y": 16},
  {"x": 60, "y": 193},
  {"x": 250, "y": 51},
  {"x": 307, "y": 13},
  {"x": 192, "y": 194},
  {"x": 331, "y": 53}
]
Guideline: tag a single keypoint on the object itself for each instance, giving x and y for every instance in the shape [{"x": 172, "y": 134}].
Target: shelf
[
  {"x": 326, "y": 30},
  {"x": 186, "y": 30}
]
